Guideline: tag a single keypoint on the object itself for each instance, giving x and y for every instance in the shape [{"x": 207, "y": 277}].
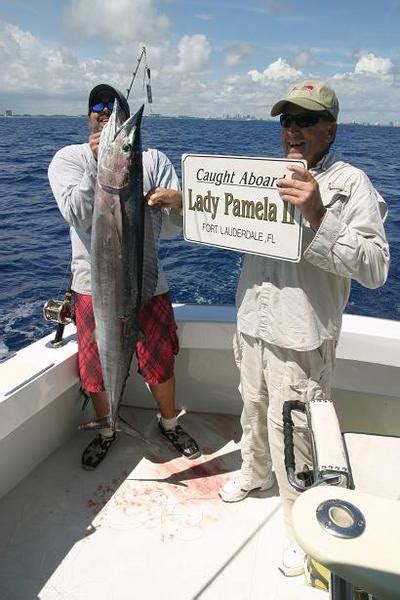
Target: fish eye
[{"x": 126, "y": 147}]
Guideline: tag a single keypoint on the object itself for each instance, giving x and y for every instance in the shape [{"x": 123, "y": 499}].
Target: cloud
[
  {"x": 48, "y": 78},
  {"x": 279, "y": 70},
  {"x": 377, "y": 65},
  {"x": 237, "y": 54},
  {"x": 364, "y": 90},
  {"x": 271, "y": 7},
  {"x": 117, "y": 21},
  {"x": 305, "y": 59},
  {"x": 369, "y": 65},
  {"x": 44, "y": 78},
  {"x": 360, "y": 90},
  {"x": 31, "y": 65},
  {"x": 193, "y": 53},
  {"x": 204, "y": 17}
]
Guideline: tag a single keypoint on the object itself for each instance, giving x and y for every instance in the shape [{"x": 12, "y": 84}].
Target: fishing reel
[{"x": 58, "y": 311}]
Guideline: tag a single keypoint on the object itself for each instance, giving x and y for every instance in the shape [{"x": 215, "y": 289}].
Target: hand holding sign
[{"x": 303, "y": 192}]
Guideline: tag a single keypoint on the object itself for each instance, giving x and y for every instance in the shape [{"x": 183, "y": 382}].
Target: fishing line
[{"x": 66, "y": 278}]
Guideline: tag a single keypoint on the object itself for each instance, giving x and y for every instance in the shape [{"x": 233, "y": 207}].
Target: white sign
[{"x": 233, "y": 202}]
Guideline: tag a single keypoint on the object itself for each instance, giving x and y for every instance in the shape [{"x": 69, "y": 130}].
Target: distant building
[{"x": 8, "y": 113}]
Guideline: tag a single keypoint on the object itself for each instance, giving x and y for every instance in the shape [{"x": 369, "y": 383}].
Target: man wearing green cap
[{"x": 289, "y": 314}]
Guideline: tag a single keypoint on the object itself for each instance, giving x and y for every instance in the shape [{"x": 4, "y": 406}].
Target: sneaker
[
  {"x": 181, "y": 441},
  {"x": 233, "y": 491},
  {"x": 292, "y": 563},
  {"x": 96, "y": 451}
]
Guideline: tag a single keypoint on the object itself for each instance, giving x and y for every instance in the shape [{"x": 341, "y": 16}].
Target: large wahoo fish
[{"x": 124, "y": 261}]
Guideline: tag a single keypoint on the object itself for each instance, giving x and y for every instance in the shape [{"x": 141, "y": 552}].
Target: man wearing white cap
[{"x": 289, "y": 314}]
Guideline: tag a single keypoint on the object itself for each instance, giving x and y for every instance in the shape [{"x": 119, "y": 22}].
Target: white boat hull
[
  {"x": 218, "y": 549},
  {"x": 40, "y": 401}
]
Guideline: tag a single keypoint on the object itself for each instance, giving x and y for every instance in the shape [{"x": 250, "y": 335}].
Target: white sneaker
[
  {"x": 233, "y": 491},
  {"x": 292, "y": 563}
]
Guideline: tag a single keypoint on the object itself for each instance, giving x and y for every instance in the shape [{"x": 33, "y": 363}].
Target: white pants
[{"x": 269, "y": 375}]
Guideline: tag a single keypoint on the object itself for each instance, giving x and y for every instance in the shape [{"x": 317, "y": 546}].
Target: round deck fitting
[{"x": 340, "y": 518}]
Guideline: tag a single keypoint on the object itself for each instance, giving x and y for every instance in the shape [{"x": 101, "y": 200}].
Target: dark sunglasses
[
  {"x": 100, "y": 106},
  {"x": 304, "y": 120}
]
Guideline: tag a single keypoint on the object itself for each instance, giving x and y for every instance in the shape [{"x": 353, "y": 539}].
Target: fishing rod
[{"x": 143, "y": 56}]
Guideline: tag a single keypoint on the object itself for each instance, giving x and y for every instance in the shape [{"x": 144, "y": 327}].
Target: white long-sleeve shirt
[
  {"x": 72, "y": 176},
  {"x": 299, "y": 305}
]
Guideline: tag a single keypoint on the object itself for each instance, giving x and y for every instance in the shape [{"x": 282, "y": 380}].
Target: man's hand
[
  {"x": 164, "y": 197},
  {"x": 94, "y": 140},
  {"x": 303, "y": 192}
]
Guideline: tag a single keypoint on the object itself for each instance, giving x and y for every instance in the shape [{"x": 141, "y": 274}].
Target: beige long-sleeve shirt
[
  {"x": 72, "y": 176},
  {"x": 299, "y": 305}
]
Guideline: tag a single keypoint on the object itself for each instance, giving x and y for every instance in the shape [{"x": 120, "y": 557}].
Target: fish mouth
[
  {"x": 119, "y": 146},
  {"x": 128, "y": 129},
  {"x": 117, "y": 135}
]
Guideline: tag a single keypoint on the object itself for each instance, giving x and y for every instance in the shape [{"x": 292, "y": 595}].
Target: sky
[{"x": 207, "y": 58}]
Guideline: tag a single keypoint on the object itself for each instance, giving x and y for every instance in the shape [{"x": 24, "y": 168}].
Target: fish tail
[{"x": 96, "y": 424}]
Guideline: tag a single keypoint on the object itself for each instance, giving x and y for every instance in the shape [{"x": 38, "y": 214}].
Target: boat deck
[{"x": 147, "y": 524}]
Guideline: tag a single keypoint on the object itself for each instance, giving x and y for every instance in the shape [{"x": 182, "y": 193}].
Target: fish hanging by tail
[{"x": 124, "y": 255}]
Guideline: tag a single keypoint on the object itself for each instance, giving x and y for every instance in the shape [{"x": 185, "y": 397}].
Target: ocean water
[{"x": 34, "y": 240}]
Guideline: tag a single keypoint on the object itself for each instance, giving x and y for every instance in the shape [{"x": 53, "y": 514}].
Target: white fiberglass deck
[{"x": 146, "y": 524}]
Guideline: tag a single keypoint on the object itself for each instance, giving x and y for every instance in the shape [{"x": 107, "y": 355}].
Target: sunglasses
[
  {"x": 100, "y": 106},
  {"x": 304, "y": 120}
]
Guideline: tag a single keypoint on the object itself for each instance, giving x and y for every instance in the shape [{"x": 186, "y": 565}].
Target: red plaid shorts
[{"x": 155, "y": 350}]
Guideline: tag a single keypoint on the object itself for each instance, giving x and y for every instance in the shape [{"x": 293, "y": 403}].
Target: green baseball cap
[{"x": 312, "y": 95}]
